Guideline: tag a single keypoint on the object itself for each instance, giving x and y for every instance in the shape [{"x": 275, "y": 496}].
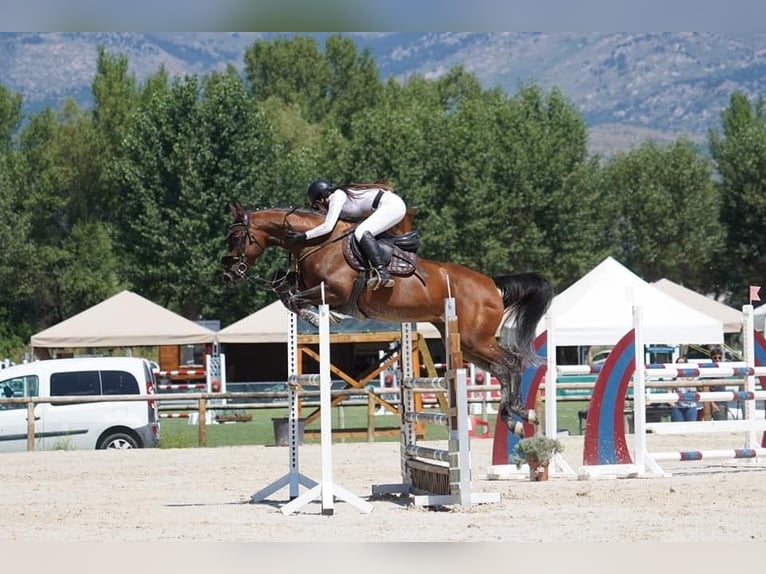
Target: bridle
[{"x": 236, "y": 265}]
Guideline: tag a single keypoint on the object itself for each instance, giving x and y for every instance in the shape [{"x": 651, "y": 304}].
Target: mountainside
[{"x": 627, "y": 86}]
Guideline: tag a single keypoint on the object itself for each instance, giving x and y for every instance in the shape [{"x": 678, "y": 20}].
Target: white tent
[
  {"x": 270, "y": 325},
  {"x": 729, "y": 316},
  {"x": 598, "y": 310},
  {"x": 123, "y": 320},
  {"x": 759, "y": 317}
]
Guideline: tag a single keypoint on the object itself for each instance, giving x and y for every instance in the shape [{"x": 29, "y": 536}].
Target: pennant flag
[{"x": 754, "y": 289}]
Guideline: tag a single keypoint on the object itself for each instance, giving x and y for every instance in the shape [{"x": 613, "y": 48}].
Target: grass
[{"x": 177, "y": 433}]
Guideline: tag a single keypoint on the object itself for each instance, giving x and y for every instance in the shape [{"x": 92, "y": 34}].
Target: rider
[{"x": 377, "y": 203}]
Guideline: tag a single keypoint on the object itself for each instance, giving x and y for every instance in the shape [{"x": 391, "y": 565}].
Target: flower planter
[
  {"x": 536, "y": 452},
  {"x": 537, "y": 470}
]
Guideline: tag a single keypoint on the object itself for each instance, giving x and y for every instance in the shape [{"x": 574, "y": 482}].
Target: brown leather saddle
[{"x": 400, "y": 252}]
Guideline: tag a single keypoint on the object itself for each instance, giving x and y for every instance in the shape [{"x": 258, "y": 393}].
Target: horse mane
[
  {"x": 314, "y": 215},
  {"x": 300, "y": 211}
]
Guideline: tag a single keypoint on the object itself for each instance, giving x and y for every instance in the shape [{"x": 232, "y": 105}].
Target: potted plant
[{"x": 536, "y": 452}]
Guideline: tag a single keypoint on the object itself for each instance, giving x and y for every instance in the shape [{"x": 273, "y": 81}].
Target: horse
[{"x": 497, "y": 316}]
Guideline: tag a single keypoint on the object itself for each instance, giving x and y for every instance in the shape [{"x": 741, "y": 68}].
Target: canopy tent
[
  {"x": 123, "y": 320},
  {"x": 759, "y": 317},
  {"x": 729, "y": 316},
  {"x": 270, "y": 325},
  {"x": 598, "y": 310}
]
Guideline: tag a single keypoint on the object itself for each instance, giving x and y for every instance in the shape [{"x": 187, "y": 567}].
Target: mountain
[{"x": 628, "y": 87}]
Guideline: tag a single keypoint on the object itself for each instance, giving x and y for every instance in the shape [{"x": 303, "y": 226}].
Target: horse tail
[{"x": 526, "y": 297}]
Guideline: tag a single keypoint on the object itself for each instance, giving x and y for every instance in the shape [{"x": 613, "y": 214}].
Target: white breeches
[{"x": 391, "y": 210}]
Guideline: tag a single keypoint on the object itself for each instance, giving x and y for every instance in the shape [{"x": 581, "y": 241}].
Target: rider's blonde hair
[{"x": 356, "y": 186}]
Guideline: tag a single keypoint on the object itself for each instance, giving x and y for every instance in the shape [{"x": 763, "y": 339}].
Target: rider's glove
[{"x": 293, "y": 236}]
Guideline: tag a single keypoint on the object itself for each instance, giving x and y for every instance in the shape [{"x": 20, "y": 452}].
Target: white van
[{"x": 95, "y": 425}]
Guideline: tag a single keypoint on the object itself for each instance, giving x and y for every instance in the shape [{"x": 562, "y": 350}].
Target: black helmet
[{"x": 319, "y": 189}]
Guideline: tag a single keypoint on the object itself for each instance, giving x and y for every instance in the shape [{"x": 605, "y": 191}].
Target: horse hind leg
[
  {"x": 507, "y": 369},
  {"x": 512, "y": 412}
]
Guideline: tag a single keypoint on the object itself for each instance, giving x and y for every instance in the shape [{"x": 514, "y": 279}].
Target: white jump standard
[
  {"x": 325, "y": 489},
  {"x": 435, "y": 476}
]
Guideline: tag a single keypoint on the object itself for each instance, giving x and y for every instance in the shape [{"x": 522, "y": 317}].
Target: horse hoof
[
  {"x": 516, "y": 427},
  {"x": 532, "y": 417},
  {"x": 309, "y": 317}
]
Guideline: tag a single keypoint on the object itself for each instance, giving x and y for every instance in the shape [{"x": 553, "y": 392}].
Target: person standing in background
[
  {"x": 719, "y": 411},
  {"x": 684, "y": 411}
]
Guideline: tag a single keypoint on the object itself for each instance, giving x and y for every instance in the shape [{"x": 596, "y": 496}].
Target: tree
[
  {"x": 10, "y": 117},
  {"x": 739, "y": 153},
  {"x": 292, "y": 70},
  {"x": 189, "y": 152},
  {"x": 16, "y": 257},
  {"x": 115, "y": 97},
  {"x": 56, "y": 182},
  {"x": 330, "y": 86},
  {"x": 666, "y": 220}
]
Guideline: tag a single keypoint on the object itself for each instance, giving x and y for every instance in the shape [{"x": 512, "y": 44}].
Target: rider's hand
[{"x": 293, "y": 236}]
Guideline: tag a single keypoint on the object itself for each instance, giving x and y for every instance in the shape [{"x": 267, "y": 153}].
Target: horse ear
[{"x": 236, "y": 210}]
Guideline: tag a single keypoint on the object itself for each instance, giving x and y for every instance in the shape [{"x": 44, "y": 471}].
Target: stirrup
[{"x": 376, "y": 280}]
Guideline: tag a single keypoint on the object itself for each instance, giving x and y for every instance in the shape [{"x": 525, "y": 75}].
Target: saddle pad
[{"x": 400, "y": 263}]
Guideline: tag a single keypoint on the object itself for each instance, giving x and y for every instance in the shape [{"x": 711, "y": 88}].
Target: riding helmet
[{"x": 319, "y": 189}]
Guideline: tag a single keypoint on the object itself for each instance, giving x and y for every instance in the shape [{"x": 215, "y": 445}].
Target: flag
[{"x": 754, "y": 289}]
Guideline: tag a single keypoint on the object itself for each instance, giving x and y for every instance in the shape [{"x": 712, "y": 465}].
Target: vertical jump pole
[
  {"x": 325, "y": 489},
  {"x": 748, "y": 347},
  {"x": 551, "y": 420},
  {"x": 560, "y": 466},
  {"x": 293, "y": 478},
  {"x": 646, "y": 464},
  {"x": 460, "y": 461},
  {"x": 639, "y": 390},
  {"x": 407, "y": 433}
]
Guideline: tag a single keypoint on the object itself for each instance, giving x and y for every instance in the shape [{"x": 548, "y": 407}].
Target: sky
[{"x": 383, "y": 15}]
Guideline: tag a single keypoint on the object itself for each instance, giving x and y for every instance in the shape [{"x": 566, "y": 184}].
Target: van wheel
[{"x": 119, "y": 440}]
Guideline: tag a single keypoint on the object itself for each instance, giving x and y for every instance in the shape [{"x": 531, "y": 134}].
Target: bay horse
[{"x": 490, "y": 310}]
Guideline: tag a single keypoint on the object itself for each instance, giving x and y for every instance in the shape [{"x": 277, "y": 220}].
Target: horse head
[
  {"x": 252, "y": 232},
  {"x": 245, "y": 243}
]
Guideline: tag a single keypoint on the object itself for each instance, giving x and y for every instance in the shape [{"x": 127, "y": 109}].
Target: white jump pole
[
  {"x": 748, "y": 347},
  {"x": 560, "y": 466},
  {"x": 294, "y": 479},
  {"x": 326, "y": 489}
]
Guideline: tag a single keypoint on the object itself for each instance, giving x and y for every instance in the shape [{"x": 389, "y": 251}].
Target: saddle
[{"x": 400, "y": 252}]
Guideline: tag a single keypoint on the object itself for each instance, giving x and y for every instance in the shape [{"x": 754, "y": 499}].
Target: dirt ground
[{"x": 204, "y": 495}]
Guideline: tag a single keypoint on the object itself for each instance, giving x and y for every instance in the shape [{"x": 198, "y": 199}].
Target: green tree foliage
[
  {"x": 491, "y": 176},
  {"x": 115, "y": 97},
  {"x": 16, "y": 257},
  {"x": 190, "y": 151},
  {"x": 354, "y": 83},
  {"x": 740, "y": 155},
  {"x": 664, "y": 213},
  {"x": 57, "y": 177},
  {"x": 292, "y": 70},
  {"x": 331, "y": 86},
  {"x": 10, "y": 117}
]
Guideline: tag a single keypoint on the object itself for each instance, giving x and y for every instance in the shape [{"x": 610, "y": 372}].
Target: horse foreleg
[
  {"x": 307, "y": 297},
  {"x": 304, "y": 302}
]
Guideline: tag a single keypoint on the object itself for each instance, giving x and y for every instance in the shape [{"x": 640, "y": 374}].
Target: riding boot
[{"x": 373, "y": 252}]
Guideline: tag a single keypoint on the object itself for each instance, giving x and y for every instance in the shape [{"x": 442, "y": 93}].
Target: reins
[
  {"x": 239, "y": 262},
  {"x": 314, "y": 248}
]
